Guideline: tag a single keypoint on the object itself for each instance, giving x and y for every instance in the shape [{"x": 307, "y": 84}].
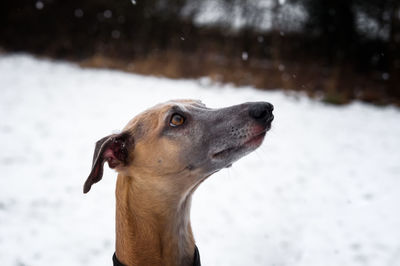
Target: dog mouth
[
  {"x": 250, "y": 144},
  {"x": 257, "y": 139}
]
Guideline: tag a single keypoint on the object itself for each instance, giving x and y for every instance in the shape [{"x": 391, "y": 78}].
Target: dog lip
[
  {"x": 225, "y": 151},
  {"x": 254, "y": 140},
  {"x": 257, "y": 138}
]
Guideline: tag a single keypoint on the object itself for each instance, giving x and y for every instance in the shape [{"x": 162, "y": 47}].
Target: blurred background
[
  {"x": 335, "y": 50},
  {"x": 323, "y": 189}
]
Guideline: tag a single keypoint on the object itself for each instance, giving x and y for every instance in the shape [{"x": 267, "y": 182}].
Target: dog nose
[{"x": 261, "y": 111}]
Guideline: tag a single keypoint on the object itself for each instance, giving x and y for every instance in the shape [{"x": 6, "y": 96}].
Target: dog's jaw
[{"x": 240, "y": 143}]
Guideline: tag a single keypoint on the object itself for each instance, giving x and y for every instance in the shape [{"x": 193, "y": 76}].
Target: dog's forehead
[
  {"x": 183, "y": 104},
  {"x": 155, "y": 113}
]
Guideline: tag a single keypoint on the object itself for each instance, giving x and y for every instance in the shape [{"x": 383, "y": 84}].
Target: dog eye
[{"x": 176, "y": 120}]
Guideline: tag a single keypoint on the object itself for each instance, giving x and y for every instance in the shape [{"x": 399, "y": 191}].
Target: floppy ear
[{"x": 113, "y": 149}]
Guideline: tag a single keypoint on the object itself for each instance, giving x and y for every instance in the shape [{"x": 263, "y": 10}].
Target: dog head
[{"x": 182, "y": 142}]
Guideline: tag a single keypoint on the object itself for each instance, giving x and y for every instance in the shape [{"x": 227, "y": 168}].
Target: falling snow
[
  {"x": 323, "y": 189},
  {"x": 245, "y": 56}
]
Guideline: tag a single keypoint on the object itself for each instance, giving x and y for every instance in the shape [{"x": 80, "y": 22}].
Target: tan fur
[
  {"x": 153, "y": 207},
  {"x": 160, "y": 164}
]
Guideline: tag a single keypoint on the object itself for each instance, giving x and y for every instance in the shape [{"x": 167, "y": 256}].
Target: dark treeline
[{"x": 335, "y": 49}]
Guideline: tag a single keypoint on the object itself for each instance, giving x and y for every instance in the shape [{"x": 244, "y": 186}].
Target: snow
[{"x": 324, "y": 188}]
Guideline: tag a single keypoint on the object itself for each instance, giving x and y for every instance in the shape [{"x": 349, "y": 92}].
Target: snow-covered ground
[{"x": 324, "y": 188}]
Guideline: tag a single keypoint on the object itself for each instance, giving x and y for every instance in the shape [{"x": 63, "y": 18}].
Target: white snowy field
[{"x": 323, "y": 190}]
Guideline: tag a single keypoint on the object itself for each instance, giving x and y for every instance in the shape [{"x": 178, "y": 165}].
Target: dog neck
[{"x": 152, "y": 225}]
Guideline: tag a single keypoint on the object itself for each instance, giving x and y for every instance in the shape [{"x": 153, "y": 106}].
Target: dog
[{"x": 162, "y": 156}]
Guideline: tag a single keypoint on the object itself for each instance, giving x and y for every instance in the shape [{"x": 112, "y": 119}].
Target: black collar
[{"x": 196, "y": 261}]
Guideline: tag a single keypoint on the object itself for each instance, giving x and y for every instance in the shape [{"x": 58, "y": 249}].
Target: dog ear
[{"x": 113, "y": 149}]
